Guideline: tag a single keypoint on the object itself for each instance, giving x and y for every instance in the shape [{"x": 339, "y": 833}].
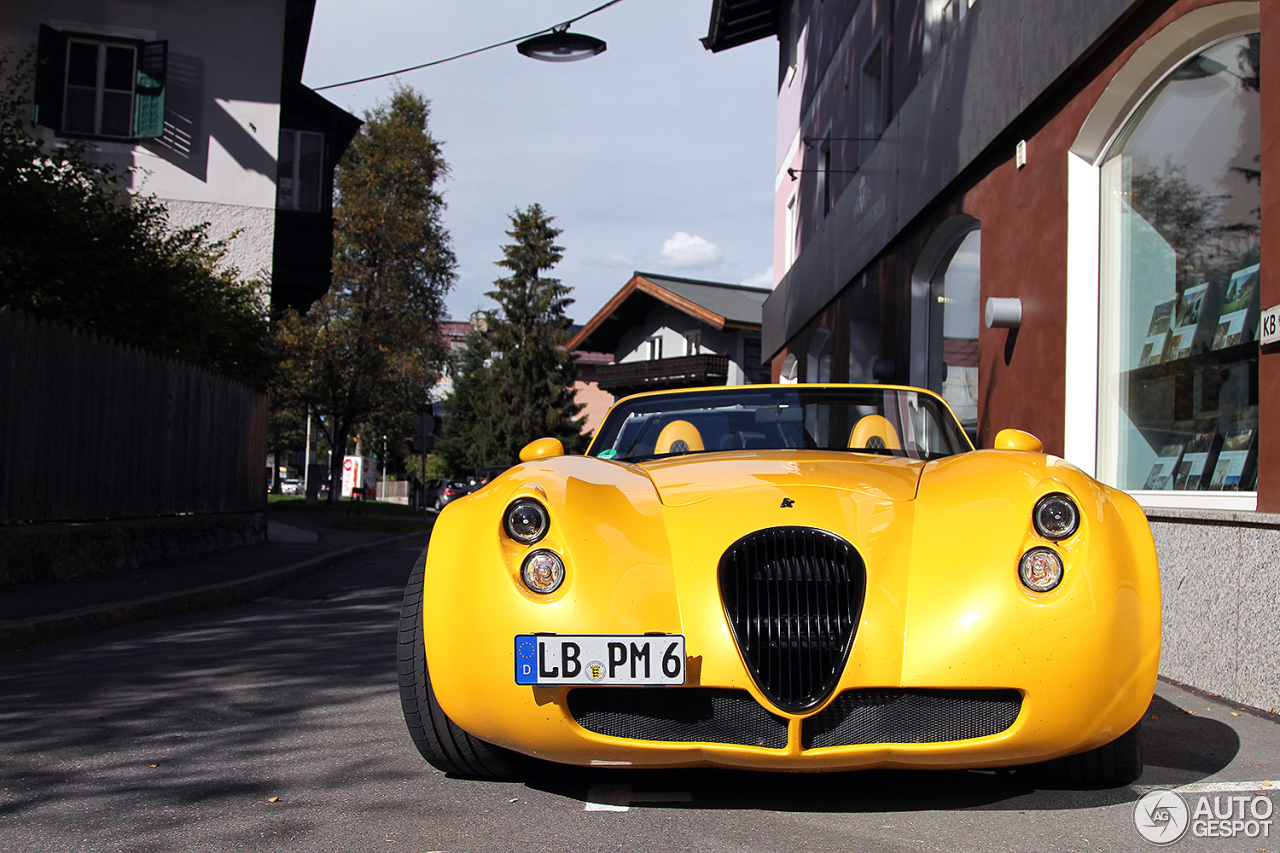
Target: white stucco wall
[
  {"x": 217, "y": 159},
  {"x": 671, "y": 326}
]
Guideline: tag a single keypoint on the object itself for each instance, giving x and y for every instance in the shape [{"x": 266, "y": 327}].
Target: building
[
  {"x": 669, "y": 332},
  {"x": 202, "y": 106},
  {"x": 1053, "y": 213}
]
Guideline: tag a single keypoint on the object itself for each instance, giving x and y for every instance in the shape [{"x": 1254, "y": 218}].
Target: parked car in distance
[
  {"x": 451, "y": 491},
  {"x": 292, "y": 487},
  {"x": 431, "y": 491},
  {"x": 789, "y": 578}
]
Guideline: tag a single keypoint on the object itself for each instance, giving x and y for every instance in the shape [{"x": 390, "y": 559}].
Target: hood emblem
[{"x": 787, "y": 503}]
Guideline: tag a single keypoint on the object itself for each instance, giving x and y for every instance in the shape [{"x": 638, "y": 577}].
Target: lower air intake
[
  {"x": 678, "y": 715},
  {"x": 911, "y": 716}
]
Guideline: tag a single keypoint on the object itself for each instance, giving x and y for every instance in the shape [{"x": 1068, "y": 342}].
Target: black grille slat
[
  {"x": 793, "y": 596},
  {"x": 870, "y": 716},
  {"x": 678, "y": 714}
]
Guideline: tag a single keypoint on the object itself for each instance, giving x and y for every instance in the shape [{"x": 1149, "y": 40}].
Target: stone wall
[
  {"x": 47, "y": 553},
  {"x": 1220, "y": 580}
]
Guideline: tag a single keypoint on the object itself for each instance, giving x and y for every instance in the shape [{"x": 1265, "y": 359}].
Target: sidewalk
[{"x": 297, "y": 545}]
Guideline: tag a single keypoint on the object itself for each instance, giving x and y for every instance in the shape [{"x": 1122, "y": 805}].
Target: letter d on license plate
[{"x": 600, "y": 659}]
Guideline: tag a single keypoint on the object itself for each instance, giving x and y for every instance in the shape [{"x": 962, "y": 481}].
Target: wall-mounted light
[
  {"x": 1003, "y": 313},
  {"x": 560, "y": 45}
]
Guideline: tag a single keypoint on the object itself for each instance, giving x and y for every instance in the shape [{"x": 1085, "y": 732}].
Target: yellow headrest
[
  {"x": 679, "y": 437},
  {"x": 875, "y": 431}
]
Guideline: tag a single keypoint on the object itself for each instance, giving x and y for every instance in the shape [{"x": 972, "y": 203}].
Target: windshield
[{"x": 882, "y": 421}]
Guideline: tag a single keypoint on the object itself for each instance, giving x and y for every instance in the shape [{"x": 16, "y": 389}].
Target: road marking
[
  {"x": 619, "y": 798},
  {"x": 1213, "y": 787}
]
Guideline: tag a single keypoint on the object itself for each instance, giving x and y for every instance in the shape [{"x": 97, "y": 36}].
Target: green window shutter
[
  {"x": 148, "y": 93},
  {"x": 51, "y": 72}
]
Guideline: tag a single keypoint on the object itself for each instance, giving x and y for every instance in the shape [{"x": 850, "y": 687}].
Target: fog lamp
[
  {"x": 542, "y": 572},
  {"x": 1040, "y": 569},
  {"x": 526, "y": 521},
  {"x": 1056, "y": 516}
]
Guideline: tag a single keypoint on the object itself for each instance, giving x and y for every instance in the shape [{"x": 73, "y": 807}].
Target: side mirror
[
  {"x": 542, "y": 448},
  {"x": 1016, "y": 439}
]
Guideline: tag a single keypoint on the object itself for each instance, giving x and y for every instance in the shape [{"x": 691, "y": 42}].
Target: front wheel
[{"x": 442, "y": 743}]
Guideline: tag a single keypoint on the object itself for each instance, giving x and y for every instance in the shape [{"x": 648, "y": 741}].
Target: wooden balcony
[{"x": 690, "y": 371}]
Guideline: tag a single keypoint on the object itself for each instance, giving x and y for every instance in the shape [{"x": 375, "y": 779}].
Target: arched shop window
[
  {"x": 953, "y": 329},
  {"x": 1180, "y": 248}
]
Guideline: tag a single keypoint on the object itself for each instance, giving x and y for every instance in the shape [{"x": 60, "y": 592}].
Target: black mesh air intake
[
  {"x": 911, "y": 716},
  {"x": 678, "y": 714},
  {"x": 793, "y": 597}
]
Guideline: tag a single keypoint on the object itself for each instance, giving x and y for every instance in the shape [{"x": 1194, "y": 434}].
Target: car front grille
[
  {"x": 793, "y": 597},
  {"x": 678, "y": 714},
  {"x": 910, "y": 716}
]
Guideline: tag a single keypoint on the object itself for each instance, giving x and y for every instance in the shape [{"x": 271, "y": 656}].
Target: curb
[{"x": 21, "y": 634}]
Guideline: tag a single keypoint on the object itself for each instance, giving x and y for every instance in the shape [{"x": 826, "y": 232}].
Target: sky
[{"x": 657, "y": 155}]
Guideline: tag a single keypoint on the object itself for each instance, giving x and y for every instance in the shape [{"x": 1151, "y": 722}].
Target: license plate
[{"x": 643, "y": 659}]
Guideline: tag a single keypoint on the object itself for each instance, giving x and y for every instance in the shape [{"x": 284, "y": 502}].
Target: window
[
  {"x": 300, "y": 170},
  {"x": 653, "y": 347},
  {"x": 92, "y": 85},
  {"x": 871, "y": 109},
  {"x": 693, "y": 343},
  {"x": 954, "y": 308},
  {"x": 823, "y": 192},
  {"x": 1181, "y": 230}
]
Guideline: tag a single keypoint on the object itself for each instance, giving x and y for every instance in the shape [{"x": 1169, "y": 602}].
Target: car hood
[{"x": 685, "y": 480}]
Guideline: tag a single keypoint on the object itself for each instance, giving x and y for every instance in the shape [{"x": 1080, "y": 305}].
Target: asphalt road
[{"x": 276, "y": 726}]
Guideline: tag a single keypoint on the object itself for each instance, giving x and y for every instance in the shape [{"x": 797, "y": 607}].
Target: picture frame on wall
[
  {"x": 1157, "y": 340},
  {"x": 1198, "y": 460},
  {"x": 1238, "y": 320},
  {"x": 1165, "y": 468},
  {"x": 1233, "y": 469}
]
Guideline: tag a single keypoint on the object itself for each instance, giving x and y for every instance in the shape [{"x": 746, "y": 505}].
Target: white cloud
[
  {"x": 764, "y": 279},
  {"x": 689, "y": 251}
]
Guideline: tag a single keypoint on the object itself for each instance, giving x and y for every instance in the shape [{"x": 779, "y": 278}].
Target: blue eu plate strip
[{"x": 526, "y": 659}]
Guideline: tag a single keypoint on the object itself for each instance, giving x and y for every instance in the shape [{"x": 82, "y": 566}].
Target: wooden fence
[{"x": 91, "y": 429}]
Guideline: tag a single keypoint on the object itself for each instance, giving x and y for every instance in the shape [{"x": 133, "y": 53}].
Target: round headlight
[
  {"x": 543, "y": 572},
  {"x": 1056, "y": 516},
  {"x": 1040, "y": 569},
  {"x": 526, "y": 521}
]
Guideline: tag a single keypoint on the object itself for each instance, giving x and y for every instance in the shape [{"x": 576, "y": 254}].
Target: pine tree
[
  {"x": 533, "y": 370},
  {"x": 473, "y": 413},
  {"x": 517, "y": 364}
]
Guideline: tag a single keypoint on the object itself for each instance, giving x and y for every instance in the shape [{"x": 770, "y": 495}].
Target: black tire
[
  {"x": 443, "y": 744},
  {"x": 1111, "y": 765}
]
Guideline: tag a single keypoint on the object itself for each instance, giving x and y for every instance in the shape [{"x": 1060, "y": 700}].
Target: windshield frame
[{"x": 785, "y": 417}]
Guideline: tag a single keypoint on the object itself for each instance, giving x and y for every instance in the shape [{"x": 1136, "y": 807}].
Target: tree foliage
[
  {"x": 368, "y": 353},
  {"x": 517, "y": 365},
  {"x": 77, "y": 249}
]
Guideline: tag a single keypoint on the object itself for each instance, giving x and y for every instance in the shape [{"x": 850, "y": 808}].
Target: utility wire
[{"x": 565, "y": 24}]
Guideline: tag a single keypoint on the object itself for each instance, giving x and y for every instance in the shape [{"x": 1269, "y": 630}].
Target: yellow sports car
[{"x": 789, "y": 577}]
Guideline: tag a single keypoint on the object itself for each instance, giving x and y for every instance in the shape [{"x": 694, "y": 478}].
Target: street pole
[
  {"x": 306, "y": 459},
  {"x": 382, "y": 495}
]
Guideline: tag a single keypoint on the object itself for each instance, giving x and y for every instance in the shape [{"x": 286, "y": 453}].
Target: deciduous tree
[{"x": 369, "y": 351}]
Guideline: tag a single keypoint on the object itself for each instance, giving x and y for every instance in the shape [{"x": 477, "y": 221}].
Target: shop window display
[{"x": 1181, "y": 235}]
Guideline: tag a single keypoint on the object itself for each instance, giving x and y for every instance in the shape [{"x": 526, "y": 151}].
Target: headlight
[
  {"x": 526, "y": 521},
  {"x": 1056, "y": 516},
  {"x": 1040, "y": 569},
  {"x": 543, "y": 572}
]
